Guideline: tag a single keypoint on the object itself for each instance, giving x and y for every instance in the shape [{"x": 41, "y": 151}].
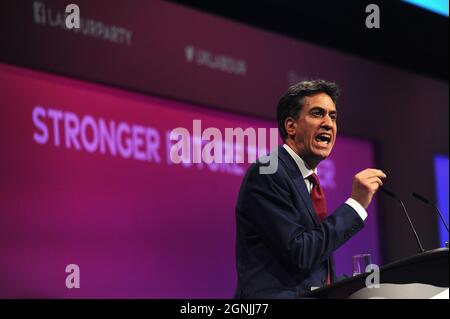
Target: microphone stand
[{"x": 391, "y": 194}]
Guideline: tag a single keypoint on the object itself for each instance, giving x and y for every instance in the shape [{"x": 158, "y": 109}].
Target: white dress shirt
[{"x": 306, "y": 172}]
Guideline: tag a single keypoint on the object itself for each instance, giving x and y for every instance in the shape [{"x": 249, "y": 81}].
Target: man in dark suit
[{"x": 285, "y": 236}]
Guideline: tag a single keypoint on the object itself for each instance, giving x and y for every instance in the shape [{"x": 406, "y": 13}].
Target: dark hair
[{"x": 291, "y": 102}]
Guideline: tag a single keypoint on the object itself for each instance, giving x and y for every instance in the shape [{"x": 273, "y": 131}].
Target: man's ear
[{"x": 290, "y": 125}]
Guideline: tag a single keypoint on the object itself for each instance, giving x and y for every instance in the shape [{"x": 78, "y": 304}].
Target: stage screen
[
  {"x": 441, "y": 174},
  {"x": 86, "y": 179}
]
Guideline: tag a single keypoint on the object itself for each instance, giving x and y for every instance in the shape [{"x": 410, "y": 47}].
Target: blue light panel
[{"x": 436, "y": 6}]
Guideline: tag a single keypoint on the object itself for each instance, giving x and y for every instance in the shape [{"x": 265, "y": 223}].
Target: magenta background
[{"x": 136, "y": 229}]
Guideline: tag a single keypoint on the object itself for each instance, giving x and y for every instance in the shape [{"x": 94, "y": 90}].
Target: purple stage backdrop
[
  {"x": 135, "y": 223},
  {"x": 168, "y": 50}
]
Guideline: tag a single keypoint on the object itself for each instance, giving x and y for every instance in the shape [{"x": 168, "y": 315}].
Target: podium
[{"x": 421, "y": 276}]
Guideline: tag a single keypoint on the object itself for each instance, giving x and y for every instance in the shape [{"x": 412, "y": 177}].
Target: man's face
[{"x": 315, "y": 129}]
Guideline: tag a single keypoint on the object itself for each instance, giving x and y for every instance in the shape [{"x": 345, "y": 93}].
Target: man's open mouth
[{"x": 324, "y": 137}]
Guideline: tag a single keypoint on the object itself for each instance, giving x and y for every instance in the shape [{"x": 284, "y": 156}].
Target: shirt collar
[{"x": 305, "y": 171}]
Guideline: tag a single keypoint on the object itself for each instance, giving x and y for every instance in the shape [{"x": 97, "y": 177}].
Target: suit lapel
[{"x": 296, "y": 176}]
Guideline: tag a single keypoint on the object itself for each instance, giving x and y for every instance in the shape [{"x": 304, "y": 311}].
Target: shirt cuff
[{"x": 357, "y": 207}]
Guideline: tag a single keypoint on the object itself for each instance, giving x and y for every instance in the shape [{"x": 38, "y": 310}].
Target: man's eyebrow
[{"x": 320, "y": 108}]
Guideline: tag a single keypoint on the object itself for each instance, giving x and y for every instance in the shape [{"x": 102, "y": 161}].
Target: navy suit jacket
[{"x": 282, "y": 250}]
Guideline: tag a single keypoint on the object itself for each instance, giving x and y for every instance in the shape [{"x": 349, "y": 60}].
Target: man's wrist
[{"x": 357, "y": 207}]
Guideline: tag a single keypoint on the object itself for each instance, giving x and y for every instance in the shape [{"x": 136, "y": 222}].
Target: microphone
[
  {"x": 426, "y": 201},
  {"x": 391, "y": 194}
]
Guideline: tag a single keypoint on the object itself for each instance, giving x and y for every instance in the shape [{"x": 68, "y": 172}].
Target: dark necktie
[{"x": 318, "y": 198}]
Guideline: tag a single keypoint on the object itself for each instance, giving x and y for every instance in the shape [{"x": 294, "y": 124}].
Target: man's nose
[{"x": 327, "y": 123}]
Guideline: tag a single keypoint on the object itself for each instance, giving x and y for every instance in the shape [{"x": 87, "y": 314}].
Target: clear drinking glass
[{"x": 360, "y": 263}]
